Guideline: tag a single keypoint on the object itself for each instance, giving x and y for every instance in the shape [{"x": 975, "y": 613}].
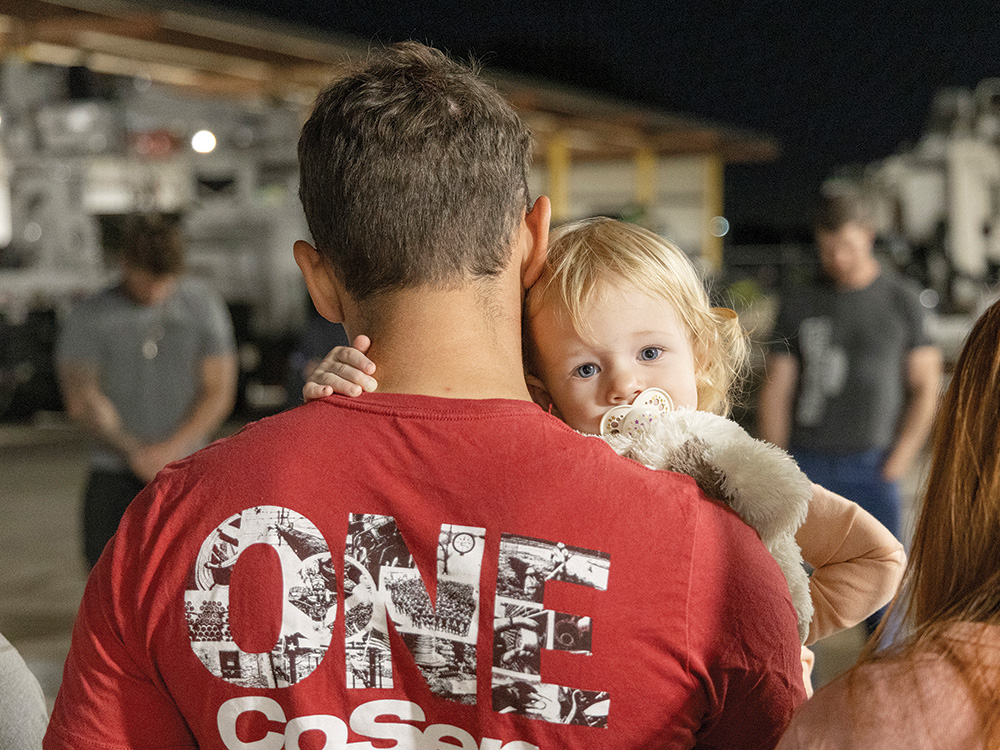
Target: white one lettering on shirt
[
  {"x": 375, "y": 720},
  {"x": 381, "y": 582}
]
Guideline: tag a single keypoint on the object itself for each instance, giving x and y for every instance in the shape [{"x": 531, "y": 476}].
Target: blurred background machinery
[{"x": 938, "y": 199}]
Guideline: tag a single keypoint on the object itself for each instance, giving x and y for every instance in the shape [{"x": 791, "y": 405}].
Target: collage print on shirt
[
  {"x": 381, "y": 581},
  {"x": 381, "y": 577},
  {"x": 309, "y": 598},
  {"x": 522, "y": 628}
]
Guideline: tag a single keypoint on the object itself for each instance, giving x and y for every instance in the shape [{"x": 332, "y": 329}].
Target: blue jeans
[{"x": 858, "y": 477}]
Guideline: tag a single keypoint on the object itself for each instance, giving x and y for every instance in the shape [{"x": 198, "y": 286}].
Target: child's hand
[{"x": 346, "y": 370}]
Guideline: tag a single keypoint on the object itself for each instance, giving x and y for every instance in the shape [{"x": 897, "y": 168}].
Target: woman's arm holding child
[{"x": 857, "y": 562}]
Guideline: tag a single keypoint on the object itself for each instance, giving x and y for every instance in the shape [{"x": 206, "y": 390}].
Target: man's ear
[
  {"x": 540, "y": 394},
  {"x": 536, "y": 246},
  {"x": 323, "y": 287},
  {"x": 870, "y": 235}
]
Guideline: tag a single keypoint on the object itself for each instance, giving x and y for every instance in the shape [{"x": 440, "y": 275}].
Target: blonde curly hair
[{"x": 585, "y": 255}]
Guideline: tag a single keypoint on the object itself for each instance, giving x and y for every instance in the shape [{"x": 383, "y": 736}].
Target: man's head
[
  {"x": 152, "y": 258},
  {"x": 845, "y": 237},
  {"x": 413, "y": 173}
]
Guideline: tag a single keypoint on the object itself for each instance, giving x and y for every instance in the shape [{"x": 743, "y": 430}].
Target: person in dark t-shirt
[{"x": 852, "y": 377}]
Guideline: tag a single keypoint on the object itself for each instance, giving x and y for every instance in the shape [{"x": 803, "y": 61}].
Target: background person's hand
[
  {"x": 149, "y": 459},
  {"x": 894, "y": 468},
  {"x": 345, "y": 370}
]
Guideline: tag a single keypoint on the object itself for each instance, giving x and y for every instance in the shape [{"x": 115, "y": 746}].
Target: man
[
  {"x": 148, "y": 367},
  {"x": 413, "y": 182},
  {"x": 23, "y": 715},
  {"x": 853, "y": 380}
]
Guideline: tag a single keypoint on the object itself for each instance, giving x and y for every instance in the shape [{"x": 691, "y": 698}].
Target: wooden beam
[
  {"x": 258, "y": 55},
  {"x": 645, "y": 177},
  {"x": 686, "y": 142},
  {"x": 205, "y": 82},
  {"x": 711, "y": 246},
  {"x": 15, "y": 34},
  {"x": 66, "y": 29},
  {"x": 749, "y": 152},
  {"x": 268, "y": 40},
  {"x": 157, "y": 52},
  {"x": 558, "y": 161}
]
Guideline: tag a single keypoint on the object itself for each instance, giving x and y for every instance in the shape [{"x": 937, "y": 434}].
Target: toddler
[{"x": 621, "y": 342}]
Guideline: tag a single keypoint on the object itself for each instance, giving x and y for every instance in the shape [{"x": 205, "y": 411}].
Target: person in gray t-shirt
[
  {"x": 23, "y": 716},
  {"x": 148, "y": 367},
  {"x": 852, "y": 378}
]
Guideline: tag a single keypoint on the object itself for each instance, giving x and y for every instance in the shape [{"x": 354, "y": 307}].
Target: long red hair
[
  {"x": 953, "y": 574},
  {"x": 954, "y": 570}
]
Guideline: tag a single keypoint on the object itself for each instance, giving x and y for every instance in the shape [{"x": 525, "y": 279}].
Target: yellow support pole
[
  {"x": 711, "y": 246},
  {"x": 558, "y": 159},
  {"x": 645, "y": 177}
]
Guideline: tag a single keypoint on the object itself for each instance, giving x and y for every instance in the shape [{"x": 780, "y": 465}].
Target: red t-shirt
[{"x": 413, "y": 572}]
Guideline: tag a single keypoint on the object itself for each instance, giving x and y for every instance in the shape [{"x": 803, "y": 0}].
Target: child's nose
[{"x": 623, "y": 389}]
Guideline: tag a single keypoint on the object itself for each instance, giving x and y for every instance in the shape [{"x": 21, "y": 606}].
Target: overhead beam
[
  {"x": 230, "y": 56},
  {"x": 65, "y": 29}
]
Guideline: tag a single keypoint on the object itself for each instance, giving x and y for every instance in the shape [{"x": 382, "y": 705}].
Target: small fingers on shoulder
[
  {"x": 349, "y": 356},
  {"x": 312, "y": 391},
  {"x": 340, "y": 378},
  {"x": 361, "y": 343}
]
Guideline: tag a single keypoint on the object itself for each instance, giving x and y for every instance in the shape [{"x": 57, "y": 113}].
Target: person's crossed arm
[
  {"x": 88, "y": 406},
  {"x": 215, "y": 400}
]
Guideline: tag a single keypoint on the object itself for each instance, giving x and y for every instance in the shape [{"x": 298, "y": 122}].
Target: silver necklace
[{"x": 151, "y": 345}]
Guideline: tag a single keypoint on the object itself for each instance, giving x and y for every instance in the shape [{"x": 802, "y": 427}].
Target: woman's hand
[{"x": 345, "y": 370}]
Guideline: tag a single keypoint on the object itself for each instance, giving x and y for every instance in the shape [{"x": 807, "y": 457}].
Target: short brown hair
[
  {"x": 412, "y": 172},
  {"x": 842, "y": 207},
  {"x": 153, "y": 243}
]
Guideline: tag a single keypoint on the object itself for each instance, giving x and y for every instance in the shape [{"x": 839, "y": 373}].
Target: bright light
[
  {"x": 719, "y": 226},
  {"x": 203, "y": 141}
]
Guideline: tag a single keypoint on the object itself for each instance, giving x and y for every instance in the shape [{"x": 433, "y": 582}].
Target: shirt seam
[
  {"x": 415, "y": 412},
  {"x": 696, "y": 507}
]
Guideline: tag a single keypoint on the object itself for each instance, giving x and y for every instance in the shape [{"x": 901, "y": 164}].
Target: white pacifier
[{"x": 631, "y": 419}]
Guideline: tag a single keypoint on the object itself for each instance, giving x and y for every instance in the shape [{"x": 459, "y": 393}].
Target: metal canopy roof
[{"x": 250, "y": 57}]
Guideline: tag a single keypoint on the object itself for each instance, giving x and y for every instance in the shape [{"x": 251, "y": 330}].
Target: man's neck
[
  {"x": 862, "y": 278},
  {"x": 449, "y": 344}
]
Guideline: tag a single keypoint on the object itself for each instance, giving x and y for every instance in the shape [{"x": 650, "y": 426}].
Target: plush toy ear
[{"x": 540, "y": 394}]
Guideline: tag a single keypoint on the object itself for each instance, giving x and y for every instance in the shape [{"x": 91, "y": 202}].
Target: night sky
[{"x": 836, "y": 83}]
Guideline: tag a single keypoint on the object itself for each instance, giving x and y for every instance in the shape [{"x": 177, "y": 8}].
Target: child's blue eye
[
  {"x": 588, "y": 370},
  {"x": 650, "y": 353}
]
